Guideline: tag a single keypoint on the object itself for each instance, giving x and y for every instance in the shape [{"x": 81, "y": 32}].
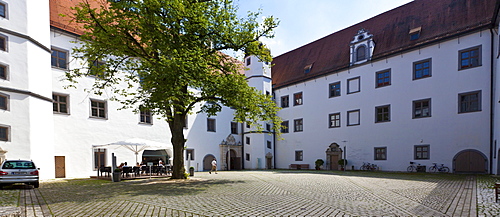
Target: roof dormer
[{"x": 362, "y": 47}]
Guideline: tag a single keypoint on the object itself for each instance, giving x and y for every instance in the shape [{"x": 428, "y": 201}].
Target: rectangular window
[
  {"x": 470, "y": 57},
  {"x": 99, "y": 158},
  {"x": 298, "y": 125},
  {"x": 210, "y": 125},
  {"x": 383, "y": 78},
  {"x": 4, "y": 133},
  {"x": 247, "y": 140},
  {"x": 269, "y": 144},
  {"x": 248, "y": 60},
  {"x": 284, "y": 127},
  {"x": 353, "y": 118},
  {"x": 297, "y": 99},
  {"x": 3, "y": 43},
  {"x": 60, "y": 103},
  {"x": 383, "y": 113},
  {"x": 422, "y": 152},
  {"x": 422, "y": 69},
  {"x": 334, "y": 120},
  {"x": 234, "y": 128},
  {"x": 381, "y": 153},
  {"x": 59, "y": 59},
  {"x": 145, "y": 117},
  {"x": 268, "y": 127},
  {"x": 98, "y": 69},
  {"x": 298, "y": 155},
  {"x": 247, "y": 157},
  {"x": 98, "y": 108},
  {"x": 4, "y": 102},
  {"x": 335, "y": 89},
  {"x": 285, "y": 101},
  {"x": 2, "y": 10},
  {"x": 3, "y": 72},
  {"x": 469, "y": 102},
  {"x": 353, "y": 85},
  {"x": 422, "y": 108},
  {"x": 189, "y": 154}
]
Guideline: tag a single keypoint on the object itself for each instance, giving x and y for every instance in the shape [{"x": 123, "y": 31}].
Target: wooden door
[
  {"x": 334, "y": 162},
  {"x": 60, "y": 167},
  {"x": 470, "y": 162}
]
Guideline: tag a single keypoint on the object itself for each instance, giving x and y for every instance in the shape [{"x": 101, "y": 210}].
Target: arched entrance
[
  {"x": 207, "y": 162},
  {"x": 269, "y": 160},
  {"x": 234, "y": 162},
  {"x": 470, "y": 161},
  {"x": 333, "y": 155}
]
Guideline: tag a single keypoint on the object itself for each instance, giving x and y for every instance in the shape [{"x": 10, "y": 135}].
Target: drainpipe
[
  {"x": 492, "y": 100},
  {"x": 242, "y": 146}
]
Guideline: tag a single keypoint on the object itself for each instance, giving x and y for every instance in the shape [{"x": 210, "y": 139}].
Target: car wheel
[{"x": 36, "y": 184}]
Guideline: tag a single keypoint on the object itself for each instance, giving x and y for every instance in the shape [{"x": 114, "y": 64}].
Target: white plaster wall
[
  {"x": 496, "y": 101},
  {"x": 446, "y": 131},
  {"x": 17, "y": 14}
]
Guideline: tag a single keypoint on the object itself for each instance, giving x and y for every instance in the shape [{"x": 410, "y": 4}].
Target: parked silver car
[{"x": 19, "y": 171}]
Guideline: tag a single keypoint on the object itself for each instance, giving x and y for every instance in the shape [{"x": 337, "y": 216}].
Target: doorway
[
  {"x": 470, "y": 161},
  {"x": 60, "y": 166},
  {"x": 207, "y": 162}
]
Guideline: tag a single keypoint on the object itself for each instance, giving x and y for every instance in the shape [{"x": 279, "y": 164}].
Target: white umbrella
[{"x": 137, "y": 145}]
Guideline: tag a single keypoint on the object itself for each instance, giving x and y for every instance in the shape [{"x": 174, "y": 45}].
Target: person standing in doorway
[{"x": 214, "y": 167}]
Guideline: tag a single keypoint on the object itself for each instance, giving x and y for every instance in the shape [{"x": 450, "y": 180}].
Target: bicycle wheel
[
  {"x": 362, "y": 167},
  {"x": 445, "y": 170},
  {"x": 411, "y": 169},
  {"x": 432, "y": 169}
]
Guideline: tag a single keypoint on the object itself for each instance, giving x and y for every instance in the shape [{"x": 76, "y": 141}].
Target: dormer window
[
  {"x": 362, "y": 47},
  {"x": 308, "y": 68},
  {"x": 360, "y": 53},
  {"x": 415, "y": 33}
]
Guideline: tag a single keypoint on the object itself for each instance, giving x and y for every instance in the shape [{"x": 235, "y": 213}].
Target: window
[
  {"x": 248, "y": 124},
  {"x": 60, "y": 103},
  {"x": 269, "y": 144},
  {"x": 298, "y": 155},
  {"x": 360, "y": 53},
  {"x": 383, "y": 113},
  {"x": 99, "y": 158},
  {"x": 145, "y": 117},
  {"x": 210, "y": 125},
  {"x": 97, "y": 69},
  {"x": 297, "y": 99},
  {"x": 247, "y": 140},
  {"x": 190, "y": 154},
  {"x": 308, "y": 68},
  {"x": 470, "y": 57},
  {"x": 247, "y": 157},
  {"x": 383, "y": 78},
  {"x": 335, "y": 89},
  {"x": 353, "y": 85},
  {"x": 3, "y": 43},
  {"x": 284, "y": 101},
  {"x": 3, "y": 72},
  {"x": 414, "y": 36},
  {"x": 422, "y": 108},
  {"x": 4, "y": 102},
  {"x": 353, "y": 118},
  {"x": 422, "y": 69},
  {"x": 98, "y": 108},
  {"x": 4, "y": 133},
  {"x": 469, "y": 102},
  {"x": 421, "y": 152},
  {"x": 334, "y": 120},
  {"x": 298, "y": 125},
  {"x": 381, "y": 153},
  {"x": 268, "y": 127},
  {"x": 2, "y": 10},
  {"x": 248, "y": 61},
  {"x": 59, "y": 59},
  {"x": 234, "y": 128},
  {"x": 284, "y": 127}
]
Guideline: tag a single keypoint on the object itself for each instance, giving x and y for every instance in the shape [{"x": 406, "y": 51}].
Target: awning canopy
[
  {"x": 155, "y": 153},
  {"x": 137, "y": 145}
]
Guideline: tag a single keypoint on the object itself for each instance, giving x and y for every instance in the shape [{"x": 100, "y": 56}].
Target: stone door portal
[{"x": 333, "y": 155}]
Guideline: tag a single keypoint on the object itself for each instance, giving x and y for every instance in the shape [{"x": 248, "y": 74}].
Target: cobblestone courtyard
[{"x": 264, "y": 193}]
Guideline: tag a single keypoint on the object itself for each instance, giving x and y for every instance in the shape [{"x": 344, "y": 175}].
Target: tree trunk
[{"x": 178, "y": 141}]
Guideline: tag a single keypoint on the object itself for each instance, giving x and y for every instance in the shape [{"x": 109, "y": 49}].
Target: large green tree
[{"x": 166, "y": 56}]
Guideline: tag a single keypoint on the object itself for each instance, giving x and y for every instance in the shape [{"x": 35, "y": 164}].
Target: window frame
[
  {"x": 285, "y": 126},
  {"x": 211, "y": 125},
  {"x": 414, "y": 69},
  {"x": 143, "y": 117},
  {"x": 337, "y": 122},
  {"x": 5, "y": 72},
  {"x": 4, "y": 10},
  {"x": 479, "y": 101},
  {"x": 4, "y": 43},
  {"x": 269, "y": 144},
  {"x": 58, "y": 102},
  {"x": 298, "y": 99},
  {"x": 190, "y": 150},
  {"x": 7, "y": 101},
  {"x": 247, "y": 140},
  {"x": 98, "y": 109},
  {"x": 349, "y": 85},
  {"x": 285, "y": 103},
  {"x": 99, "y": 153},
  {"x": 479, "y": 57},
  {"x": 299, "y": 155},
  {"x": 66, "y": 57},
  {"x": 234, "y": 127},
  {"x": 7, "y": 133},
  {"x": 98, "y": 64},
  {"x": 247, "y": 156},
  {"x": 377, "y": 79},
  {"x": 348, "y": 117},
  {"x": 334, "y": 91},
  {"x": 378, "y": 112},
  {"x": 364, "y": 57},
  {"x": 429, "y": 107},
  {"x": 298, "y": 125},
  {"x": 380, "y": 156},
  {"x": 422, "y": 152}
]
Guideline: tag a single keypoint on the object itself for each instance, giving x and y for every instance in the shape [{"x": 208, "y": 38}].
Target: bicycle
[
  {"x": 435, "y": 168},
  {"x": 368, "y": 166},
  {"x": 412, "y": 167}
]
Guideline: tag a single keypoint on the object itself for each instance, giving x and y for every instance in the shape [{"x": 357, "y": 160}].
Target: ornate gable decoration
[{"x": 362, "y": 47}]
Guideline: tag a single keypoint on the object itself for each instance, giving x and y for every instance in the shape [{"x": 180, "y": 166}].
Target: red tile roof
[
  {"x": 63, "y": 7},
  {"x": 439, "y": 19}
]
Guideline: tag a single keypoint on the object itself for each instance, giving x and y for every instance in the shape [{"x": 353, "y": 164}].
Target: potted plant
[
  {"x": 117, "y": 175},
  {"x": 191, "y": 171},
  {"x": 319, "y": 163},
  {"x": 342, "y": 163}
]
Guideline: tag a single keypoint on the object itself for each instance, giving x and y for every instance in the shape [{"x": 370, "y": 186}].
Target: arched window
[{"x": 361, "y": 53}]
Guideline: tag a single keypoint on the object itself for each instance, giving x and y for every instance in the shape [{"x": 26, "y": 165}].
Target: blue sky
[{"x": 304, "y": 21}]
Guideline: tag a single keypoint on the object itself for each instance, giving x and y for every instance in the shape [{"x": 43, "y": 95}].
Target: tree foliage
[{"x": 166, "y": 56}]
